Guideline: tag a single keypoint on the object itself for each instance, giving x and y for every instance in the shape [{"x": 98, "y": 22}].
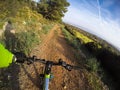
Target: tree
[{"x": 53, "y": 9}]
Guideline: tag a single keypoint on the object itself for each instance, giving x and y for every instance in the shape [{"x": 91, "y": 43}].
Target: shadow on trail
[
  {"x": 35, "y": 80},
  {"x": 9, "y": 35},
  {"x": 9, "y": 78}
]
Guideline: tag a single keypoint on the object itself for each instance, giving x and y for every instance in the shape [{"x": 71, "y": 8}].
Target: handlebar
[{"x": 59, "y": 63}]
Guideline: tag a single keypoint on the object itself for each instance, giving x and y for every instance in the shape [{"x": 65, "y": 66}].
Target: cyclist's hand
[{"x": 19, "y": 57}]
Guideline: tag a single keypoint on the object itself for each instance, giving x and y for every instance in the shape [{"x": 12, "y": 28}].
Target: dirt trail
[{"x": 53, "y": 47}]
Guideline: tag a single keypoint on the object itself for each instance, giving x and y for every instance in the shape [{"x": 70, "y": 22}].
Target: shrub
[
  {"x": 93, "y": 65},
  {"x": 46, "y": 28},
  {"x": 26, "y": 41}
]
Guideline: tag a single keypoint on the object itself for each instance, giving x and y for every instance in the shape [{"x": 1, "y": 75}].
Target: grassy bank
[
  {"x": 93, "y": 72},
  {"x": 29, "y": 27}
]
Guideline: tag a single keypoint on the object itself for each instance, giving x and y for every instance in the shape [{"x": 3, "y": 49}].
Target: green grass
[
  {"x": 46, "y": 28},
  {"x": 84, "y": 38},
  {"x": 70, "y": 38},
  {"x": 21, "y": 42},
  {"x": 29, "y": 27},
  {"x": 93, "y": 65}
]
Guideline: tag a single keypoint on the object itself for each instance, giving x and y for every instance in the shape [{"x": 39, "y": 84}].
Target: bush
[
  {"x": 26, "y": 41},
  {"x": 93, "y": 65},
  {"x": 46, "y": 28}
]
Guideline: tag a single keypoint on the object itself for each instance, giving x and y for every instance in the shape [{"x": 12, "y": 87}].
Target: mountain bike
[{"x": 46, "y": 76}]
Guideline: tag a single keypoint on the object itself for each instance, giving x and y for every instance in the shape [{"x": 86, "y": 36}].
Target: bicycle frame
[{"x": 47, "y": 75}]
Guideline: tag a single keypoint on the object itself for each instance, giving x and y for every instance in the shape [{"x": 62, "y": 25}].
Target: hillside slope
[{"x": 53, "y": 45}]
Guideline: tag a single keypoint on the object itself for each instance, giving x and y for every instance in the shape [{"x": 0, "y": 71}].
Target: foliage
[
  {"x": 9, "y": 8},
  {"x": 95, "y": 81},
  {"x": 27, "y": 15},
  {"x": 46, "y": 28},
  {"x": 26, "y": 41},
  {"x": 50, "y": 9},
  {"x": 22, "y": 42},
  {"x": 91, "y": 63},
  {"x": 53, "y": 9},
  {"x": 100, "y": 43},
  {"x": 70, "y": 38},
  {"x": 84, "y": 38},
  {"x": 29, "y": 27},
  {"x": 80, "y": 35}
]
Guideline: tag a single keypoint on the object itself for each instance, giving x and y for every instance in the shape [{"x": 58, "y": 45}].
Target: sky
[{"x": 99, "y": 17}]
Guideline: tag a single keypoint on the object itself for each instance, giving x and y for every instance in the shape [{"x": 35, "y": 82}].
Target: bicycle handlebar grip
[
  {"x": 68, "y": 67},
  {"x": 20, "y": 57},
  {"x": 62, "y": 63}
]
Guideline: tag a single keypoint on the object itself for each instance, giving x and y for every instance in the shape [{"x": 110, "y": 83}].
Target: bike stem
[
  {"x": 48, "y": 67},
  {"x": 47, "y": 73}
]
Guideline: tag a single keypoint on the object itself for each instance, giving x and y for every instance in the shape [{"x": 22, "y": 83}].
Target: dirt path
[{"x": 53, "y": 47}]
